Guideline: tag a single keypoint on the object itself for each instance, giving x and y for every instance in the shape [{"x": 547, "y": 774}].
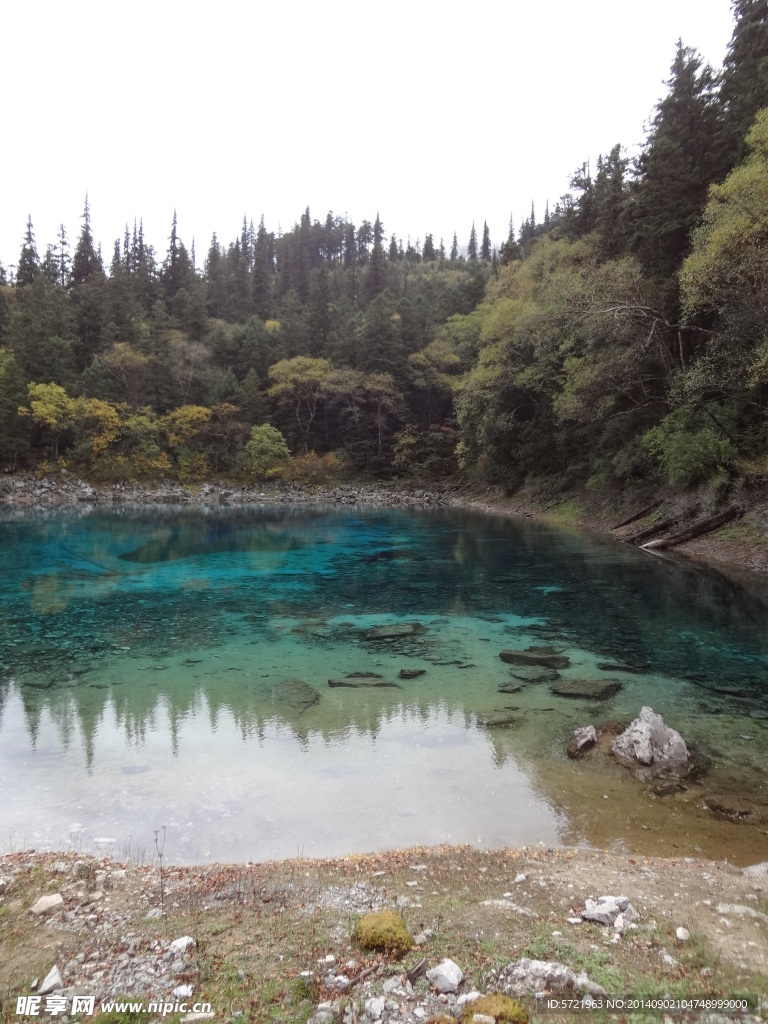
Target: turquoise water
[{"x": 170, "y": 668}]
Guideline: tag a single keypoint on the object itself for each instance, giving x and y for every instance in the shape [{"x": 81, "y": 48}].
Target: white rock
[
  {"x": 154, "y": 912},
  {"x": 181, "y": 945},
  {"x": 182, "y": 991},
  {"x": 520, "y": 878},
  {"x": 757, "y": 870},
  {"x": 468, "y": 997},
  {"x": 393, "y": 985},
  {"x": 531, "y": 977},
  {"x": 446, "y": 977},
  {"x": 607, "y": 909},
  {"x": 618, "y": 924},
  {"x": 740, "y": 911},
  {"x": 483, "y": 1018},
  {"x": 51, "y": 982},
  {"x": 374, "y": 1007},
  {"x": 47, "y": 905},
  {"x": 648, "y": 740},
  {"x": 682, "y": 934}
]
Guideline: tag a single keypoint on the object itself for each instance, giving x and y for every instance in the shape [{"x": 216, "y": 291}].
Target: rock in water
[
  {"x": 411, "y": 673},
  {"x": 649, "y": 741},
  {"x": 581, "y": 741},
  {"x": 535, "y": 657},
  {"x": 446, "y": 977},
  {"x": 293, "y": 696},
  {"x": 357, "y": 684},
  {"x": 535, "y": 673},
  {"x": 396, "y": 632},
  {"x": 586, "y": 689}
]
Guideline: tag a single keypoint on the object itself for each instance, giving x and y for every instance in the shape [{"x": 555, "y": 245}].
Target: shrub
[
  {"x": 503, "y": 1009},
  {"x": 265, "y": 450},
  {"x": 383, "y": 931},
  {"x": 689, "y": 450}
]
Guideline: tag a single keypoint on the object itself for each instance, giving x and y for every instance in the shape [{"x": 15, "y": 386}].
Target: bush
[
  {"x": 265, "y": 450},
  {"x": 690, "y": 451},
  {"x": 309, "y": 469},
  {"x": 383, "y": 931},
  {"x": 503, "y": 1009}
]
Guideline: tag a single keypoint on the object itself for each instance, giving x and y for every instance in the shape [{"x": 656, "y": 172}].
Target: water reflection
[{"x": 149, "y": 658}]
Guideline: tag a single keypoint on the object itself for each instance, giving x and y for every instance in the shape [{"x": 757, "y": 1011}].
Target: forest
[{"x": 622, "y": 337}]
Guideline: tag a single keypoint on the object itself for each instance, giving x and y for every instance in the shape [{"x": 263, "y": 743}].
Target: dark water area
[{"x": 171, "y": 667}]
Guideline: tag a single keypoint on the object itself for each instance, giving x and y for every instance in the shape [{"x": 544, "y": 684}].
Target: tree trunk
[
  {"x": 652, "y": 531},
  {"x": 636, "y": 516},
  {"x": 698, "y": 529}
]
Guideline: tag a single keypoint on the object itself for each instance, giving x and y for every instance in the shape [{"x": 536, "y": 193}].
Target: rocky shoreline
[{"x": 61, "y": 490}]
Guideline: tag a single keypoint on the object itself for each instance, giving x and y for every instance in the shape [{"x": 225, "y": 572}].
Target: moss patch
[
  {"x": 383, "y": 931},
  {"x": 503, "y": 1010}
]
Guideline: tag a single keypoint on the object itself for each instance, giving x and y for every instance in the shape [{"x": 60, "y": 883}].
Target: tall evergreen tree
[
  {"x": 28, "y": 266},
  {"x": 454, "y": 248},
  {"x": 376, "y": 271},
  {"x": 86, "y": 261},
  {"x": 485, "y": 246},
  {"x": 678, "y": 164},
  {"x": 472, "y": 247},
  {"x": 744, "y": 82}
]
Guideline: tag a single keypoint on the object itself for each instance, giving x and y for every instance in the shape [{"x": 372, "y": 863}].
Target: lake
[{"x": 170, "y": 668}]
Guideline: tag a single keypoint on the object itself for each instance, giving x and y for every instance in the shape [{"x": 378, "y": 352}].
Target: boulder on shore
[
  {"x": 582, "y": 740},
  {"x": 648, "y": 741}
]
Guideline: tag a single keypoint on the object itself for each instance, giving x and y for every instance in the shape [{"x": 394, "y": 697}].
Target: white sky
[{"x": 435, "y": 114}]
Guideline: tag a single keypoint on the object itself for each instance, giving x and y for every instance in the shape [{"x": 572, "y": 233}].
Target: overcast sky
[{"x": 433, "y": 114}]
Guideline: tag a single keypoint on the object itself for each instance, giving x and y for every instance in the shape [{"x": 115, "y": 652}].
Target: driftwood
[
  {"x": 652, "y": 531},
  {"x": 698, "y": 529},
  {"x": 636, "y": 516}
]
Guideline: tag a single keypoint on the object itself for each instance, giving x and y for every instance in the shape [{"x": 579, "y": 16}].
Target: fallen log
[
  {"x": 697, "y": 529},
  {"x": 636, "y": 516},
  {"x": 652, "y": 531}
]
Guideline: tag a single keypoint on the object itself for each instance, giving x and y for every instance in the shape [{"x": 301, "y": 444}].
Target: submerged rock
[
  {"x": 619, "y": 666},
  {"x": 535, "y": 674},
  {"x": 649, "y": 741},
  {"x": 394, "y": 632},
  {"x": 411, "y": 673},
  {"x": 357, "y": 684},
  {"x": 535, "y": 656},
  {"x": 587, "y": 689},
  {"x": 293, "y": 696},
  {"x": 364, "y": 675},
  {"x": 728, "y": 807},
  {"x": 582, "y": 740}
]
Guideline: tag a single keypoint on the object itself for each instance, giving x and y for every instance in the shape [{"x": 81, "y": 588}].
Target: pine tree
[
  {"x": 472, "y": 247},
  {"x": 485, "y": 247},
  {"x": 428, "y": 252},
  {"x": 86, "y": 261},
  {"x": 376, "y": 272},
  {"x": 454, "y": 248},
  {"x": 744, "y": 82},
  {"x": 679, "y": 163},
  {"x": 28, "y": 266}
]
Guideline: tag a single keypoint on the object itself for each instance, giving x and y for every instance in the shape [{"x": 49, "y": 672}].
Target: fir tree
[
  {"x": 86, "y": 261},
  {"x": 472, "y": 247},
  {"x": 28, "y": 266},
  {"x": 485, "y": 247}
]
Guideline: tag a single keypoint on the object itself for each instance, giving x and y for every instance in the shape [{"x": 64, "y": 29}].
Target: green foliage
[
  {"x": 265, "y": 450},
  {"x": 383, "y": 931},
  {"x": 503, "y": 1009},
  {"x": 688, "y": 450}
]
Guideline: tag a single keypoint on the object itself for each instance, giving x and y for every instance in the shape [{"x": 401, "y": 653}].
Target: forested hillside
[{"x": 624, "y": 337}]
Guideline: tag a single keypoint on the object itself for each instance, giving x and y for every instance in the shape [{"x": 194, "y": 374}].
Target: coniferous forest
[{"x": 620, "y": 337}]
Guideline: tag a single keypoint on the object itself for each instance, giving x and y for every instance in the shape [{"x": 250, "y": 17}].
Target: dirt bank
[{"x": 274, "y": 941}]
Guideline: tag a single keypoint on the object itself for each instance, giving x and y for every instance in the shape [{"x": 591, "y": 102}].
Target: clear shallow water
[{"x": 149, "y": 658}]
